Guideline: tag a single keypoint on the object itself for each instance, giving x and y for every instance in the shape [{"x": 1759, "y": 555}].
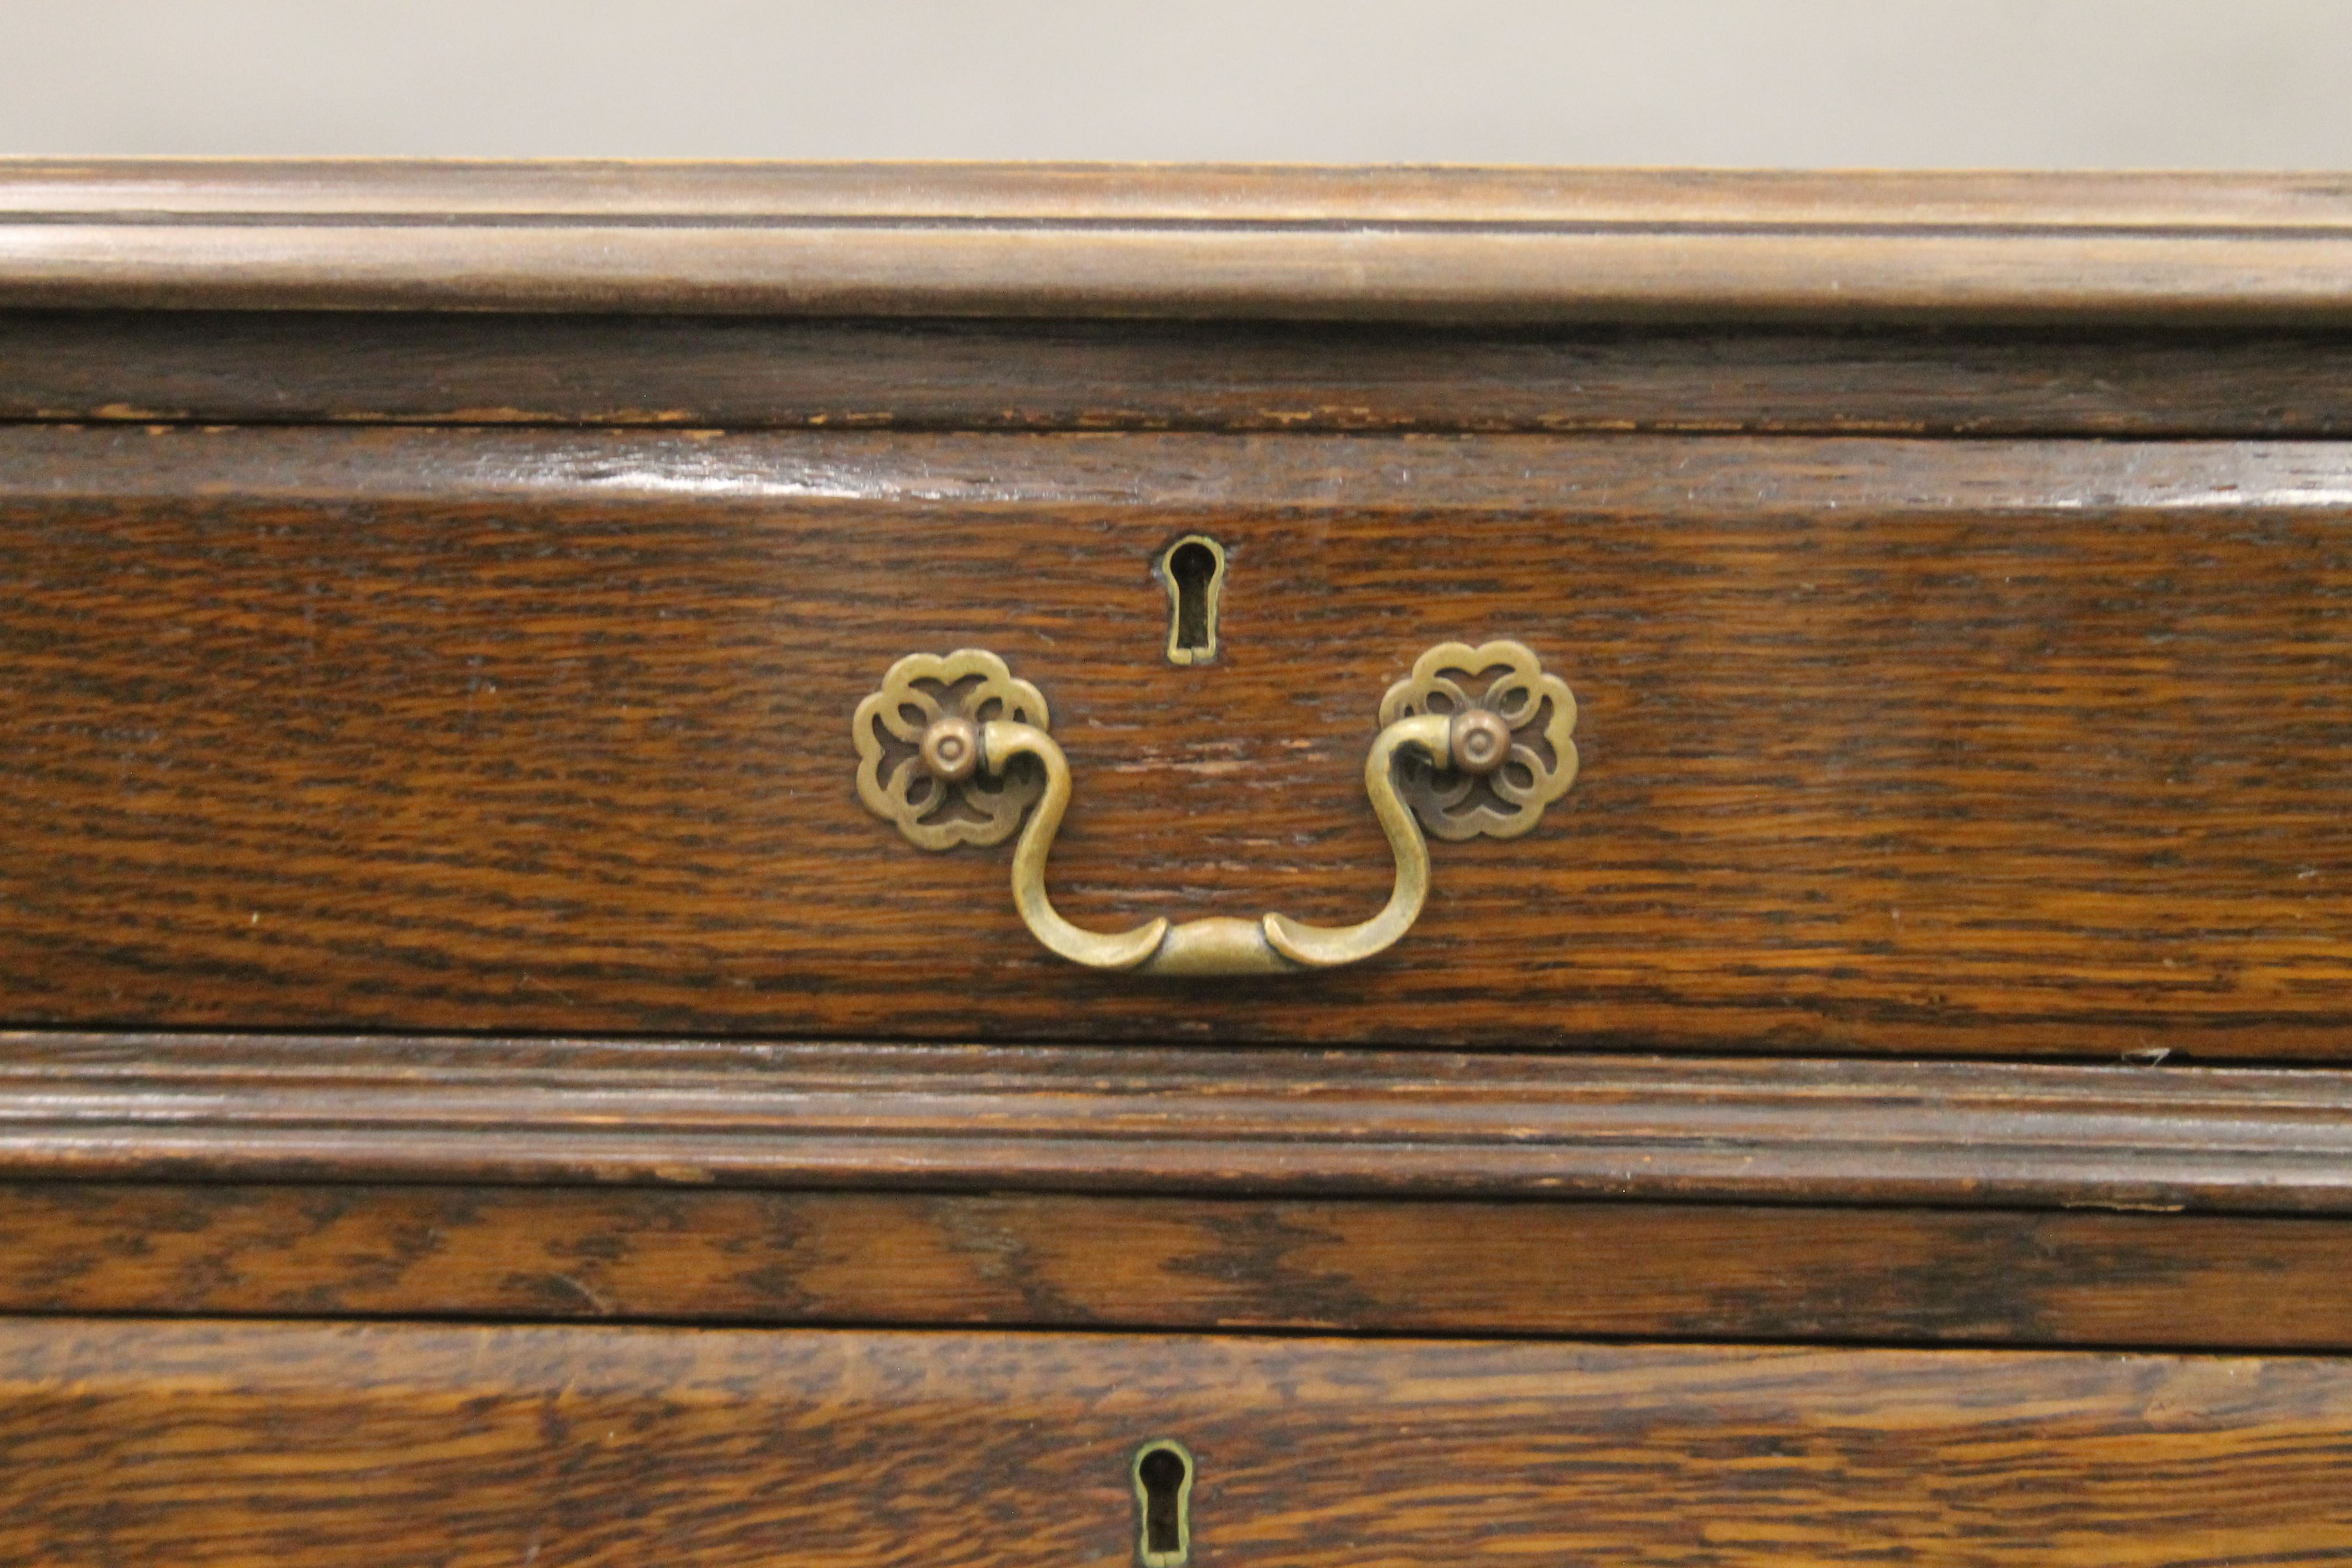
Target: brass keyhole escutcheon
[
  {"x": 1163, "y": 1472},
  {"x": 1193, "y": 570}
]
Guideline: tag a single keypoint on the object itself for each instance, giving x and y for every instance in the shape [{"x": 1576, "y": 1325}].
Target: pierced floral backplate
[
  {"x": 892, "y": 778},
  {"x": 1504, "y": 679}
]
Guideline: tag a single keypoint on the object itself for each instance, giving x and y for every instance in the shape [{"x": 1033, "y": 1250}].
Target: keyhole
[
  {"x": 1194, "y": 570},
  {"x": 1163, "y": 1496}
]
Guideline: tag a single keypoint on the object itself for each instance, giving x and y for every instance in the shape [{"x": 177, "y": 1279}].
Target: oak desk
[{"x": 841, "y": 866}]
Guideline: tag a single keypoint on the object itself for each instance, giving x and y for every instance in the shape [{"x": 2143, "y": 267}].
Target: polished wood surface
[
  {"x": 1984, "y": 748},
  {"x": 487, "y": 368},
  {"x": 402, "y": 1444},
  {"x": 1137, "y": 1119},
  {"x": 1095, "y": 1261},
  {"x": 1094, "y": 240},
  {"x": 672, "y": 1165}
]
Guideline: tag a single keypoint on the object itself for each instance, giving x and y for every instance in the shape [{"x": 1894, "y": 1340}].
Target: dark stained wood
[
  {"x": 1981, "y": 748},
  {"x": 1190, "y": 1120},
  {"x": 407, "y": 1444},
  {"x": 745, "y": 372},
  {"x": 1515, "y": 245},
  {"x": 491, "y": 777},
  {"x": 1098, "y": 1261}
]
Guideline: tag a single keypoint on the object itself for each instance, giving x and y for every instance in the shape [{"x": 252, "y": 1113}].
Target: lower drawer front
[{"x": 214, "y": 1442}]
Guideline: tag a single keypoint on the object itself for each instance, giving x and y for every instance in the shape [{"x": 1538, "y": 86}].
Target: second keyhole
[{"x": 1162, "y": 1473}]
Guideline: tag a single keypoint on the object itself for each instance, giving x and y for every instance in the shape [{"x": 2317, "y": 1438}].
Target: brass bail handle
[{"x": 1475, "y": 740}]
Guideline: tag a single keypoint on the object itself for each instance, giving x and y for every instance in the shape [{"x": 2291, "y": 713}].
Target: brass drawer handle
[{"x": 938, "y": 744}]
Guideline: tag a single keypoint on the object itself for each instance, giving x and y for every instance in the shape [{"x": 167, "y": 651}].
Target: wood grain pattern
[
  {"x": 1191, "y": 1120},
  {"x": 1098, "y": 1262},
  {"x": 1989, "y": 748},
  {"x": 1973, "y": 748},
  {"x": 1080, "y": 240},
  {"x": 223, "y": 367},
  {"x": 219, "y": 1444}
]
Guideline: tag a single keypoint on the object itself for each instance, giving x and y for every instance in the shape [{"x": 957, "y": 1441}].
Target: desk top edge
[{"x": 1201, "y": 242}]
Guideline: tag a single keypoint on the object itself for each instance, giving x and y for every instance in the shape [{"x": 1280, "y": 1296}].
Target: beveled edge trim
[
  {"x": 1079, "y": 240},
  {"x": 489, "y": 368},
  {"x": 228, "y": 1107},
  {"x": 1177, "y": 476},
  {"x": 1178, "y": 1263}
]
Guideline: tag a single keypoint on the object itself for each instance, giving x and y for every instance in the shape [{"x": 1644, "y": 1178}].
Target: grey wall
[{"x": 2076, "y": 83}]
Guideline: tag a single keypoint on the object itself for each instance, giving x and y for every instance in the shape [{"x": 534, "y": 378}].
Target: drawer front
[
  {"x": 2005, "y": 748},
  {"x": 201, "y": 1443}
]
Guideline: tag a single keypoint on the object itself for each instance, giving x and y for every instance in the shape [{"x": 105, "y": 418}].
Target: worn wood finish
[
  {"x": 1097, "y": 1261},
  {"x": 1984, "y": 747},
  {"x": 535, "y": 735},
  {"x": 1173, "y": 1121},
  {"x": 349, "y": 367},
  {"x": 408, "y": 1445},
  {"x": 1079, "y": 240}
]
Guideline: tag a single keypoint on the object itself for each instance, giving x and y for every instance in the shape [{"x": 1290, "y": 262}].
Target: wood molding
[
  {"x": 475, "y": 368},
  {"x": 1100, "y": 241},
  {"x": 1180, "y": 475},
  {"x": 1163, "y": 1262},
  {"x": 249, "y": 1107}
]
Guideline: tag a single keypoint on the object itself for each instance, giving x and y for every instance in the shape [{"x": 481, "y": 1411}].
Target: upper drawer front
[
  {"x": 201, "y": 1444},
  {"x": 1991, "y": 747}
]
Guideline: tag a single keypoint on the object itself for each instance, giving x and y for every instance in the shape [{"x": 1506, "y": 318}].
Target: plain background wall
[{"x": 1818, "y": 83}]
